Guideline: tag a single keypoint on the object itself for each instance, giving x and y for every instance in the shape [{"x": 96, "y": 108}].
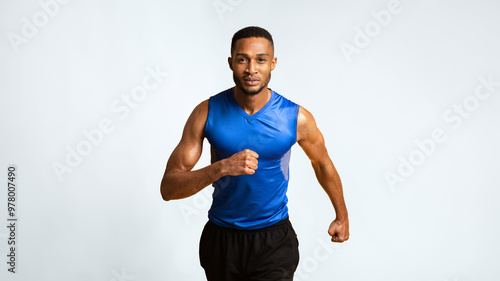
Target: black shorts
[{"x": 269, "y": 253}]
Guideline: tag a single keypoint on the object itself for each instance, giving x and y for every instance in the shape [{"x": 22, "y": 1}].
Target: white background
[{"x": 105, "y": 219}]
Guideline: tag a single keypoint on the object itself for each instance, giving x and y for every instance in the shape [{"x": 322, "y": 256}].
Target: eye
[
  {"x": 262, "y": 60},
  {"x": 242, "y": 60}
]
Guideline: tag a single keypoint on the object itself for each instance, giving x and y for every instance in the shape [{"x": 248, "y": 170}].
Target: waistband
[{"x": 279, "y": 225}]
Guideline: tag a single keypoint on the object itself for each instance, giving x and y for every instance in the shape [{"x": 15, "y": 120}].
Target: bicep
[
  {"x": 188, "y": 151},
  {"x": 310, "y": 137}
]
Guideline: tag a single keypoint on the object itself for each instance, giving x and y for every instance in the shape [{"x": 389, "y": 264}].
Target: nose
[{"x": 251, "y": 68}]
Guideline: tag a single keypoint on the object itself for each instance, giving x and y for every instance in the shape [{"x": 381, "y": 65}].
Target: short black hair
[{"x": 251, "y": 31}]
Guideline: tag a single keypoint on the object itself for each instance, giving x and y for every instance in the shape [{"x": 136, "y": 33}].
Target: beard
[{"x": 249, "y": 92}]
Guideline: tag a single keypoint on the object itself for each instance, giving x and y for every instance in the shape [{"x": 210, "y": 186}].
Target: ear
[
  {"x": 274, "y": 61},
  {"x": 230, "y": 61}
]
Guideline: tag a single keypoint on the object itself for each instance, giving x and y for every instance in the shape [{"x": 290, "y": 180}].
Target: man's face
[{"x": 251, "y": 62}]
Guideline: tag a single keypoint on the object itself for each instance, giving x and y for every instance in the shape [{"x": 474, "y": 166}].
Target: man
[{"x": 251, "y": 130}]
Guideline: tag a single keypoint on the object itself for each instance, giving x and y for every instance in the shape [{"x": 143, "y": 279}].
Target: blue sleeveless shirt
[{"x": 258, "y": 200}]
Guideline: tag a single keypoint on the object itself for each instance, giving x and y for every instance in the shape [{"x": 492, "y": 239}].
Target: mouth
[{"x": 251, "y": 81}]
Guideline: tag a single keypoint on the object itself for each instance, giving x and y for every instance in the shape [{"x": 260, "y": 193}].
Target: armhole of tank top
[
  {"x": 296, "y": 119},
  {"x": 208, "y": 118}
]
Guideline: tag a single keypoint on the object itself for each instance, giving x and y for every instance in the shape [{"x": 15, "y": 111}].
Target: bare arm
[
  {"x": 179, "y": 181},
  {"x": 312, "y": 142}
]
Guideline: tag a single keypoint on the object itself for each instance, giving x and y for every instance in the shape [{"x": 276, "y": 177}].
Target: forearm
[
  {"x": 182, "y": 184},
  {"x": 329, "y": 179}
]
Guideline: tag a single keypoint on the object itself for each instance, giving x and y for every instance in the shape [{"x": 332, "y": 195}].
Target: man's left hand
[{"x": 339, "y": 230}]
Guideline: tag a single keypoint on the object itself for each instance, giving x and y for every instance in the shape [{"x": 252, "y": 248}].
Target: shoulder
[
  {"x": 282, "y": 99},
  {"x": 196, "y": 121},
  {"x": 223, "y": 95},
  {"x": 286, "y": 105},
  {"x": 200, "y": 115},
  {"x": 202, "y": 108},
  {"x": 305, "y": 116},
  {"x": 306, "y": 125}
]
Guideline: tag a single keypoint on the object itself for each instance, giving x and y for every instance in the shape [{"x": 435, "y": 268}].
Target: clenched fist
[
  {"x": 241, "y": 163},
  {"x": 339, "y": 230}
]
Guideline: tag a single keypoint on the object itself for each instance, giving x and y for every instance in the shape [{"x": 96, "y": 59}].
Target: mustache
[{"x": 250, "y": 78}]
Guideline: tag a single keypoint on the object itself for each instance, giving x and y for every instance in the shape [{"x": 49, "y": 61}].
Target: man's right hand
[{"x": 241, "y": 163}]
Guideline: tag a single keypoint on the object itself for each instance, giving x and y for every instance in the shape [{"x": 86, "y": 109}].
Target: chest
[{"x": 270, "y": 134}]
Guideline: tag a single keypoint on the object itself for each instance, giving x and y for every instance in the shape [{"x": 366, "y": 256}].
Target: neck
[{"x": 252, "y": 104}]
